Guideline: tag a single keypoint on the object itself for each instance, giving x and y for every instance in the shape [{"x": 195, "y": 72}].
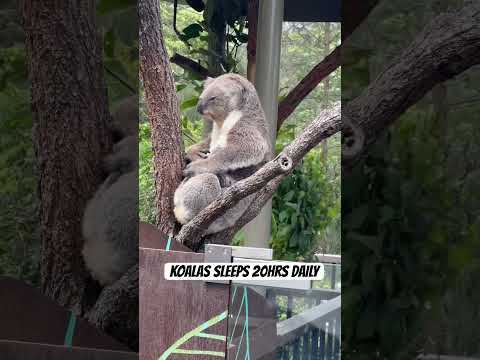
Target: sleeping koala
[
  {"x": 238, "y": 145},
  {"x": 110, "y": 220}
]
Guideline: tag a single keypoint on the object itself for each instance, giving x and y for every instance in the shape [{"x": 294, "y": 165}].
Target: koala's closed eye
[{"x": 213, "y": 98}]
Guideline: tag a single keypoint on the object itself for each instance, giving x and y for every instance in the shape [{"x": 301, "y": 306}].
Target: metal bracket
[{"x": 218, "y": 254}]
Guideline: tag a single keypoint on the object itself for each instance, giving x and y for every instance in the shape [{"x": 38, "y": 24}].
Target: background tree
[
  {"x": 162, "y": 107},
  {"x": 70, "y": 67}
]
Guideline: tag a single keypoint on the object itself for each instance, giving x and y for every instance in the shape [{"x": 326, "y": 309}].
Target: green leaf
[
  {"x": 192, "y": 31},
  {"x": 187, "y": 104},
  {"x": 180, "y": 87},
  {"x": 243, "y": 38}
]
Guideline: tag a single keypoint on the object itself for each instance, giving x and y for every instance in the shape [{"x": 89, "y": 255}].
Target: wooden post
[{"x": 179, "y": 317}]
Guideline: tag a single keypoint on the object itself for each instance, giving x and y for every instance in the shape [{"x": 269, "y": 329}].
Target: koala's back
[{"x": 110, "y": 229}]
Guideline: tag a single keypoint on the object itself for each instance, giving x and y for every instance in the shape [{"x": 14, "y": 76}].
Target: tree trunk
[
  {"x": 162, "y": 104},
  {"x": 70, "y": 114}
]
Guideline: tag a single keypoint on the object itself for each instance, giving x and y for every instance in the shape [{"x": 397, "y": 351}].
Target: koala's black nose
[{"x": 200, "y": 107}]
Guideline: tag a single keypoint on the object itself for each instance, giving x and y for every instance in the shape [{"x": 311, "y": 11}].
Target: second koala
[
  {"x": 237, "y": 146},
  {"x": 110, "y": 220}
]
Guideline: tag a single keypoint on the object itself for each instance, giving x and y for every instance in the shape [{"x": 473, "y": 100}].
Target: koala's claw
[{"x": 194, "y": 156}]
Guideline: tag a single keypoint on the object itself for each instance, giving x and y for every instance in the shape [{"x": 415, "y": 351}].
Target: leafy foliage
[{"x": 410, "y": 231}]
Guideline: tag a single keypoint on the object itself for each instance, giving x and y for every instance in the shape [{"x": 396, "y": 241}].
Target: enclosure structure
[
  {"x": 240, "y": 320},
  {"x": 35, "y": 327}
]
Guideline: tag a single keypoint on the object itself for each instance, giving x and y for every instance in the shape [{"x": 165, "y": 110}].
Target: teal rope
[
  {"x": 70, "y": 330},
  {"x": 247, "y": 354},
  {"x": 236, "y": 319},
  {"x": 169, "y": 243}
]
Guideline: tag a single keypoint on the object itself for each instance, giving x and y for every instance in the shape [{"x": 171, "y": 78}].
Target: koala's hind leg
[{"x": 195, "y": 194}]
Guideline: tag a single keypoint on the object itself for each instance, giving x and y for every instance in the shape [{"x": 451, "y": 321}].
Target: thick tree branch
[
  {"x": 449, "y": 45},
  {"x": 116, "y": 310},
  {"x": 327, "y": 124},
  {"x": 190, "y": 65},
  {"x": 263, "y": 195},
  {"x": 307, "y": 85}
]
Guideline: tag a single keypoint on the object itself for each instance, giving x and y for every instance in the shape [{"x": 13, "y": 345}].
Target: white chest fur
[{"x": 218, "y": 138}]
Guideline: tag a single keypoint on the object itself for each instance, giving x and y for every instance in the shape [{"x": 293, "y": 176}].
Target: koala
[
  {"x": 110, "y": 228},
  {"x": 125, "y": 118},
  {"x": 238, "y": 145},
  {"x": 110, "y": 220}
]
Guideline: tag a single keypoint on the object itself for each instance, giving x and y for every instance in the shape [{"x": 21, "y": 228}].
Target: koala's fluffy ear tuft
[{"x": 208, "y": 81}]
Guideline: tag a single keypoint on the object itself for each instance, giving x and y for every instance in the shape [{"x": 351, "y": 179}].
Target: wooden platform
[{"x": 180, "y": 319}]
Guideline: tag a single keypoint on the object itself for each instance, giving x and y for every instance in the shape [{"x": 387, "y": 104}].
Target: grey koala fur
[
  {"x": 237, "y": 146},
  {"x": 110, "y": 221}
]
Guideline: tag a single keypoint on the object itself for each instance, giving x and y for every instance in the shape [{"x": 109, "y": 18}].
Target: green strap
[
  {"x": 169, "y": 242},
  {"x": 70, "y": 330}
]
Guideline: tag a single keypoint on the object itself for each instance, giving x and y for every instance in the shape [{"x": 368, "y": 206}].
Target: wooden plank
[
  {"x": 16, "y": 350},
  {"x": 29, "y": 316},
  {"x": 170, "y": 311},
  {"x": 151, "y": 237}
]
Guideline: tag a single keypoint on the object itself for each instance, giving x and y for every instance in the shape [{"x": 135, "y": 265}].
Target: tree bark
[
  {"x": 71, "y": 134},
  {"x": 116, "y": 311},
  {"x": 190, "y": 65},
  {"x": 449, "y": 45},
  {"x": 163, "y": 113}
]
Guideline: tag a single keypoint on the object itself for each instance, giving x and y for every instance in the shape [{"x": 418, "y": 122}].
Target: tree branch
[
  {"x": 263, "y": 195},
  {"x": 327, "y": 124},
  {"x": 308, "y": 83},
  {"x": 325, "y": 67},
  {"x": 449, "y": 45},
  {"x": 190, "y": 65}
]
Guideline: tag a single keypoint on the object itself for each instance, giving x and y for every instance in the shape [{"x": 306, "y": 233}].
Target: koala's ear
[{"x": 208, "y": 81}]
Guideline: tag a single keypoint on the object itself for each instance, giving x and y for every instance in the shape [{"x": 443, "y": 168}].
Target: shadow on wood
[
  {"x": 27, "y": 315},
  {"x": 15, "y": 350}
]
